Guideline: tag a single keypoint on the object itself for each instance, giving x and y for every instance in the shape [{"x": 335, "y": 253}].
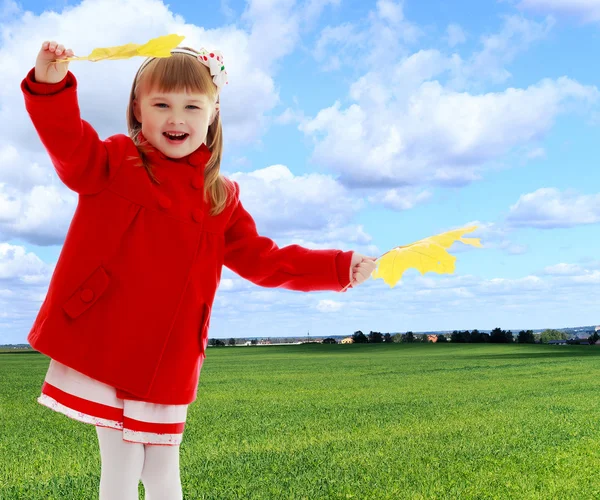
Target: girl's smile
[{"x": 176, "y": 137}]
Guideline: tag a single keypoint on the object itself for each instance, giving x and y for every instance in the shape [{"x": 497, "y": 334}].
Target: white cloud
[
  {"x": 493, "y": 236},
  {"x": 400, "y": 199},
  {"x": 275, "y": 30},
  {"x": 329, "y": 306},
  {"x": 312, "y": 9},
  {"x": 591, "y": 278},
  {"x": 285, "y": 204},
  {"x": 335, "y": 237},
  {"x": 549, "y": 208},
  {"x": 435, "y": 136},
  {"x": 517, "y": 35},
  {"x": 354, "y": 45},
  {"x": 567, "y": 275},
  {"x": 290, "y": 116},
  {"x": 405, "y": 125},
  {"x": 536, "y": 153},
  {"x": 18, "y": 265},
  {"x": 390, "y": 11},
  {"x": 345, "y": 35},
  {"x": 384, "y": 37},
  {"x": 504, "y": 286},
  {"x": 455, "y": 35},
  {"x": 587, "y": 10},
  {"x": 563, "y": 269},
  {"x": 226, "y": 9},
  {"x": 513, "y": 249},
  {"x": 24, "y": 279},
  {"x": 8, "y": 9},
  {"x": 44, "y": 216}
]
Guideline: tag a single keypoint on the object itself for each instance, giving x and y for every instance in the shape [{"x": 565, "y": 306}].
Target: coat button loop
[
  {"x": 87, "y": 295},
  {"x": 197, "y": 214},
  {"x": 164, "y": 202},
  {"x": 197, "y": 182}
]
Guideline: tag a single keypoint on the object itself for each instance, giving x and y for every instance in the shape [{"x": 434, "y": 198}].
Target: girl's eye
[{"x": 161, "y": 104}]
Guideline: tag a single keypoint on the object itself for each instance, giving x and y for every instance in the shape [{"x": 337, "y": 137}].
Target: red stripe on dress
[
  {"x": 154, "y": 427},
  {"x": 76, "y": 403}
]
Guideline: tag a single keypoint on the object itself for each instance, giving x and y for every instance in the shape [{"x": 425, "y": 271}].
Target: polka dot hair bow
[{"x": 214, "y": 62}]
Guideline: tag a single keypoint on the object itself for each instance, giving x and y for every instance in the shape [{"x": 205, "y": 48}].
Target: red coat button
[
  {"x": 197, "y": 214},
  {"x": 87, "y": 295},
  {"x": 197, "y": 182},
  {"x": 164, "y": 202}
]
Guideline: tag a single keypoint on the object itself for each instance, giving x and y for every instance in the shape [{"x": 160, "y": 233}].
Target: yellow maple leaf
[
  {"x": 157, "y": 47},
  {"x": 426, "y": 255}
]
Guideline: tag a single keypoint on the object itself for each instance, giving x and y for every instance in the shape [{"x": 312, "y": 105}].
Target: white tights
[{"x": 125, "y": 463}]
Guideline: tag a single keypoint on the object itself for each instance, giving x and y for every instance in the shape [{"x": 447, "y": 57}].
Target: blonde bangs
[{"x": 178, "y": 73}]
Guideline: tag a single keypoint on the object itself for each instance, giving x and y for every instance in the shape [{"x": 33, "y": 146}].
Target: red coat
[{"x": 130, "y": 300}]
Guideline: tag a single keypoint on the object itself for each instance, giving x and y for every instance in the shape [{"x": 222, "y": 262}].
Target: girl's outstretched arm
[
  {"x": 83, "y": 162},
  {"x": 259, "y": 259}
]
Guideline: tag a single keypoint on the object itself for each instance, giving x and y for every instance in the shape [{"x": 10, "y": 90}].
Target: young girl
[{"x": 126, "y": 317}]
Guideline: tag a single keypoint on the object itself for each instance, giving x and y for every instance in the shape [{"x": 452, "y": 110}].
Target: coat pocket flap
[{"x": 88, "y": 293}]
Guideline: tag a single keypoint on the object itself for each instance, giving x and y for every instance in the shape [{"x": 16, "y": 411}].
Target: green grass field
[{"x": 418, "y": 421}]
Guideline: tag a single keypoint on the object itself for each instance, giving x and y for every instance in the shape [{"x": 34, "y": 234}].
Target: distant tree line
[{"x": 496, "y": 336}]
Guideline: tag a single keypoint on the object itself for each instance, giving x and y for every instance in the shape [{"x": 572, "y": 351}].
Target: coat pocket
[{"x": 87, "y": 294}]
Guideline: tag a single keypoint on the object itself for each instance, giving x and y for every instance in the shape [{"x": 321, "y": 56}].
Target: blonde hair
[{"x": 181, "y": 72}]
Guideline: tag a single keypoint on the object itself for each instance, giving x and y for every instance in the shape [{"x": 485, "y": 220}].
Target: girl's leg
[
  {"x": 160, "y": 474},
  {"x": 122, "y": 464}
]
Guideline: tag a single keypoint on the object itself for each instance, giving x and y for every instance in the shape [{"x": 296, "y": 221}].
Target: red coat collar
[{"x": 198, "y": 158}]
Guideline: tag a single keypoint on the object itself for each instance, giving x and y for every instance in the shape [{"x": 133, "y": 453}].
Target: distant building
[
  {"x": 597, "y": 329},
  {"x": 347, "y": 340}
]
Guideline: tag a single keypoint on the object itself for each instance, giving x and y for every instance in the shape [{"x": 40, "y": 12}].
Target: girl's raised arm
[{"x": 83, "y": 162}]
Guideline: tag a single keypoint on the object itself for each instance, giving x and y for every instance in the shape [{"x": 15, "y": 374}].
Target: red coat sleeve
[
  {"x": 259, "y": 259},
  {"x": 83, "y": 162}
]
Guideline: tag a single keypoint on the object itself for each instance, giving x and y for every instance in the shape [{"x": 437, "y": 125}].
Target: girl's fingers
[
  {"x": 366, "y": 268},
  {"x": 364, "y": 271},
  {"x": 361, "y": 275}
]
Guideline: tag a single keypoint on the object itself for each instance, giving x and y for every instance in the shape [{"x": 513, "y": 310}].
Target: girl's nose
[{"x": 175, "y": 119}]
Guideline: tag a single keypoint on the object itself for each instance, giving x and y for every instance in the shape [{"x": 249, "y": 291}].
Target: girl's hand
[
  {"x": 47, "y": 70},
  {"x": 361, "y": 268}
]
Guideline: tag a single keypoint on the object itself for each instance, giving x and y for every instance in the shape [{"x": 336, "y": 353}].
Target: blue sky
[{"x": 359, "y": 125}]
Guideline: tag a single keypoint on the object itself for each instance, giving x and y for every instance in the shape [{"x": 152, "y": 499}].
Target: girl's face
[{"x": 175, "y": 123}]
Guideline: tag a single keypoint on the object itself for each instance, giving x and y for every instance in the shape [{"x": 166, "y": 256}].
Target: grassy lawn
[{"x": 418, "y": 421}]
